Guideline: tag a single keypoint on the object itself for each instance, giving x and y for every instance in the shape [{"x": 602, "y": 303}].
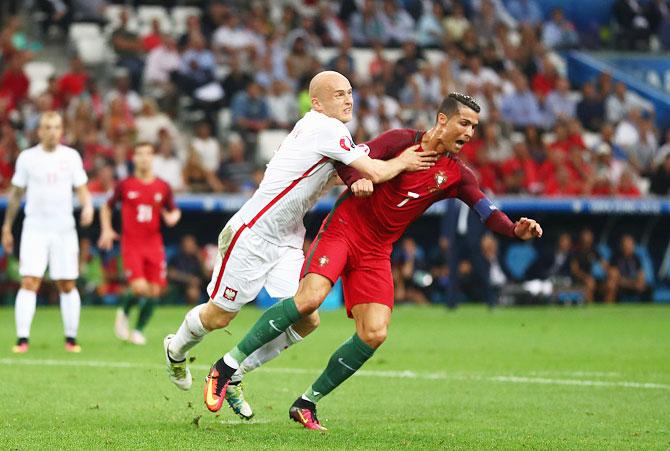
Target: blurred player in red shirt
[
  {"x": 144, "y": 199},
  {"x": 356, "y": 239}
]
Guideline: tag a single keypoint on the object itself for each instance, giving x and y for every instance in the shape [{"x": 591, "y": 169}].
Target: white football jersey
[
  {"x": 295, "y": 176},
  {"x": 49, "y": 178}
]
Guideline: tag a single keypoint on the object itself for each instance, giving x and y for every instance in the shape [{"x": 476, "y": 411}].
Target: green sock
[
  {"x": 344, "y": 362},
  {"x": 272, "y": 323},
  {"x": 147, "y": 306},
  {"x": 128, "y": 301}
]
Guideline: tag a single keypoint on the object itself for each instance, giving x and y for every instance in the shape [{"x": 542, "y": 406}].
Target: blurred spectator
[
  {"x": 455, "y": 24},
  {"x": 657, "y": 13},
  {"x": 166, "y": 165},
  {"x": 186, "y": 270},
  {"x": 429, "y": 30},
  {"x": 397, "y": 22},
  {"x": 237, "y": 79},
  {"x": 119, "y": 120},
  {"x": 559, "y": 33},
  {"x": 197, "y": 66},
  {"x": 130, "y": 99},
  {"x": 250, "y": 112},
  {"x": 591, "y": 109},
  {"x": 72, "y": 84},
  {"x": 299, "y": 59},
  {"x": 235, "y": 171},
  {"x": 474, "y": 77},
  {"x": 660, "y": 179},
  {"x": 103, "y": 181},
  {"x": 525, "y": 11},
  {"x": 499, "y": 9},
  {"x": 9, "y": 151},
  {"x": 234, "y": 37},
  {"x": 621, "y": 101},
  {"x": 560, "y": 261},
  {"x": 161, "y": 61},
  {"x": 485, "y": 21},
  {"x": 54, "y": 13},
  {"x": 150, "y": 121},
  {"x": 439, "y": 270},
  {"x": 637, "y": 136},
  {"x": 196, "y": 178},
  {"x": 14, "y": 83},
  {"x": 367, "y": 26},
  {"x": 154, "y": 38},
  {"x": 582, "y": 264},
  {"x": 89, "y": 11},
  {"x": 129, "y": 50},
  {"x": 520, "y": 173},
  {"x": 560, "y": 104},
  {"x": 206, "y": 146},
  {"x": 545, "y": 79},
  {"x": 282, "y": 105},
  {"x": 332, "y": 30},
  {"x": 494, "y": 278},
  {"x": 343, "y": 62},
  {"x": 632, "y": 27},
  {"x": 193, "y": 27},
  {"x": 627, "y": 186},
  {"x": 606, "y": 166},
  {"x": 410, "y": 277},
  {"x": 625, "y": 278},
  {"x": 520, "y": 107}
]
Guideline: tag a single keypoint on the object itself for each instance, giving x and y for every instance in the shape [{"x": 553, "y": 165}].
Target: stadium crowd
[{"x": 206, "y": 91}]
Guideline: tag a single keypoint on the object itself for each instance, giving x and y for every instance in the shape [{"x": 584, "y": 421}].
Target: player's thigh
[
  {"x": 132, "y": 259},
  {"x": 33, "y": 253},
  {"x": 327, "y": 256},
  {"x": 240, "y": 272},
  {"x": 154, "y": 267},
  {"x": 283, "y": 279},
  {"x": 368, "y": 284},
  {"x": 64, "y": 256}
]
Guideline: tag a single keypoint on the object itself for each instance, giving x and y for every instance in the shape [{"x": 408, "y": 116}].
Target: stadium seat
[
  {"x": 92, "y": 51},
  {"x": 518, "y": 259},
  {"x": 268, "y": 142},
  {"x": 645, "y": 259},
  {"x": 604, "y": 252},
  {"x": 82, "y": 30},
  {"x": 38, "y": 72},
  {"x": 179, "y": 16}
]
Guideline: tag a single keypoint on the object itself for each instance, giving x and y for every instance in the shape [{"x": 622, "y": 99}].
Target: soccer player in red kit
[
  {"x": 356, "y": 239},
  {"x": 144, "y": 199}
]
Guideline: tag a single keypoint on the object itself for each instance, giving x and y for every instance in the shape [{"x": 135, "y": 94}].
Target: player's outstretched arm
[
  {"x": 86, "y": 203},
  {"x": 13, "y": 203},
  {"x": 107, "y": 233},
  {"x": 379, "y": 171},
  {"x": 171, "y": 217}
]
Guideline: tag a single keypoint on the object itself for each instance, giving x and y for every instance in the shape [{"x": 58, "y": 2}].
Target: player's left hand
[
  {"x": 526, "y": 228},
  {"x": 362, "y": 188},
  {"x": 86, "y": 216},
  {"x": 171, "y": 217}
]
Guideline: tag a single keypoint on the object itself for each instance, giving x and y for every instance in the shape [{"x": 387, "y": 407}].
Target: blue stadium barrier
[{"x": 333, "y": 301}]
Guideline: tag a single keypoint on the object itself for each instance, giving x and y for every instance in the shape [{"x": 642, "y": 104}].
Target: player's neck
[
  {"x": 428, "y": 142},
  {"x": 145, "y": 176},
  {"x": 48, "y": 148}
]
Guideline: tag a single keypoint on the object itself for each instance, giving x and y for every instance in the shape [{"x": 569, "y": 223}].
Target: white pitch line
[{"x": 361, "y": 373}]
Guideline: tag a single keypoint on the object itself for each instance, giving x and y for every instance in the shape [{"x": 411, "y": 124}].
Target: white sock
[
  {"x": 24, "y": 311},
  {"x": 267, "y": 352},
  {"x": 190, "y": 333},
  {"x": 70, "y": 306}
]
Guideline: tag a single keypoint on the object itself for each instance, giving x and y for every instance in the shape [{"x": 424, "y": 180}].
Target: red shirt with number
[{"x": 141, "y": 241}]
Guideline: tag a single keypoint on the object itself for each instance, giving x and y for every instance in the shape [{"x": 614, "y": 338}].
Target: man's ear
[
  {"x": 316, "y": 105},
  {"x": 442, "y": 118}
]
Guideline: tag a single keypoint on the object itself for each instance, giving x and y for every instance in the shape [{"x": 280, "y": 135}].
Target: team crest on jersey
[
  {"x": 133, "y": 194},
  {"x": 440, "y": 178},
  {"x": 323, "y": 261},
  {"x": 158, "y": 197},
  {"x": 345, "y": 143},
  {"x": 229, "y": 294}
]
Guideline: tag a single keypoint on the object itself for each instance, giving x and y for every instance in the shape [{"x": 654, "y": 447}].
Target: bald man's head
[{"x": 331, "y": 94}]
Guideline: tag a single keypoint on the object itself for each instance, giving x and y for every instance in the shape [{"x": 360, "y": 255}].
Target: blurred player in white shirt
[
  {"x": 261, "y": 245},
  {"x": 47, "y": 173}
]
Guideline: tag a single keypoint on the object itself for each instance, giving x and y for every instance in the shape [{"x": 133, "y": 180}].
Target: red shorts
[
  {"x": 144, "y": 261},
  {"x": 366, "y": 276}
]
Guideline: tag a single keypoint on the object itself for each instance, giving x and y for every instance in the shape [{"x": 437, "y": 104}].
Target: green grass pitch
[{"x": 550, "y": 378}]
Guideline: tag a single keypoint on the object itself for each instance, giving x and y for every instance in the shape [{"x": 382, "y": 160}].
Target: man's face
[
  {"x": 452, "y": 133},
  {"x": 143, "y": 158},
  {"x": 50, "y": 131},
  {"x": 336, "y": 99}
]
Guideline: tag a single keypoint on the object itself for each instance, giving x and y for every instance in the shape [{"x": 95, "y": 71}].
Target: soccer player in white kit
[
  {"x": 261, "y": 245},
  {"x": 47, "y": 173}
]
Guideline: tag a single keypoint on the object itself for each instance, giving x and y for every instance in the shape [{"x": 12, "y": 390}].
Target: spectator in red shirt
[
  {"x": 154, "y": 38},
  {"x": 14, "y": 83},
  {"x": 520, "y": 173},
  {"x": 627, "y": 186},
  {"x": 103, "y": 181},
  {"x": 545, "y": 80},
  {"x": 73, "y": 83}
]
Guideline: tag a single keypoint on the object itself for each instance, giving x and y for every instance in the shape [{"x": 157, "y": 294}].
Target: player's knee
[
  {"x": 311, "y": 296},
  {"x": 65, "y": 286},
  {"x": 374, "y": 336},
  {"x": 213, "y": 317},
  {"x": 30, "y": 283}
]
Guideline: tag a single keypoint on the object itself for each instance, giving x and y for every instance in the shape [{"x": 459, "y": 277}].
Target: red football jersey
[
  {"x": 382, "y": 218},
  {"x": 141, "y": 205}
]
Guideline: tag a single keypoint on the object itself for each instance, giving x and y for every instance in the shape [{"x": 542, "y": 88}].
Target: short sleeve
[
  {"x": 168, "y": 201},
  {"x": 116, "y": 196},
  {"x": 20, "y": 177},
  {"x": 337, "y": 144},
  {"x": 79, "y": 177}
]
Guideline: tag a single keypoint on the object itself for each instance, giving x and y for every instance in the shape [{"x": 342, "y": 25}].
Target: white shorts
[
  {"x": 246, "y": 263},
  {"x": 59, "y": 249}
]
